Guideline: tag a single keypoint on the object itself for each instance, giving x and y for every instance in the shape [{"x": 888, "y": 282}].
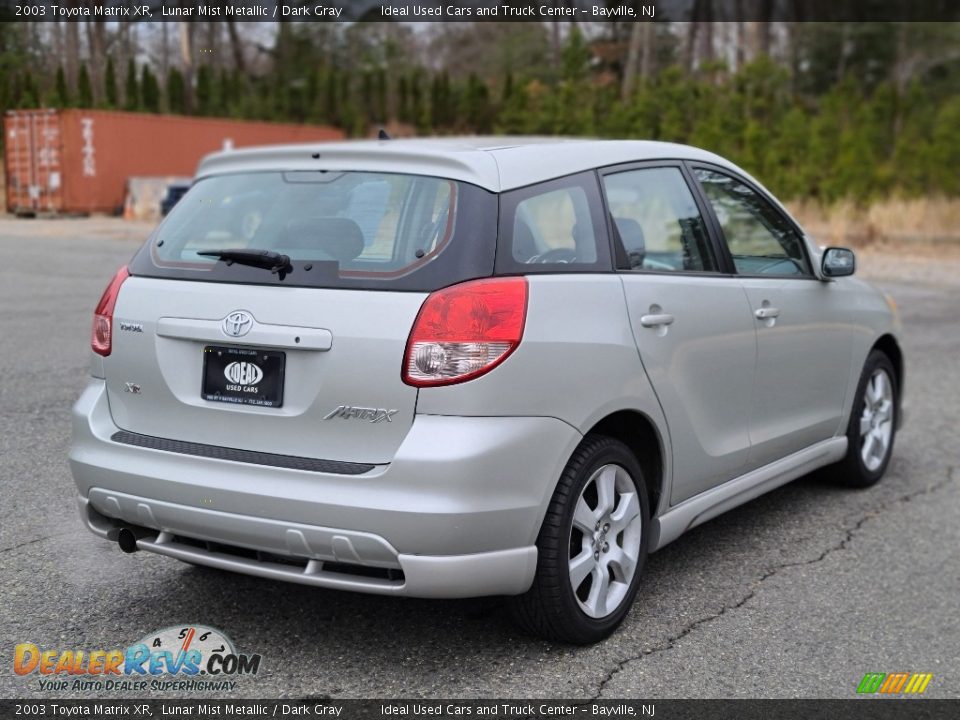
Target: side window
[
  {"x": 760, "y": 239},
  {"x": 657, "y": 220},
  {"x": 553, "y": 226}
]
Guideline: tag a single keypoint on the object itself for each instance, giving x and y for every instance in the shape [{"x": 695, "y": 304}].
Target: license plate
[{"x": 243, "y": 376}]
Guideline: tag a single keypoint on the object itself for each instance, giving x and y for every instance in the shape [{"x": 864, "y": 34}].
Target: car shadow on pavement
[{"x": 707, "y": 570}]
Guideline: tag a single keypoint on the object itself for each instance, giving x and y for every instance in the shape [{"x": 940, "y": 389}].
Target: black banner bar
[
  {"x": 855, "y": 709},
  {"x": 484, "y": 10}
]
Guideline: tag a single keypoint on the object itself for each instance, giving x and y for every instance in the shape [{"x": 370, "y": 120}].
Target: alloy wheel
[
  {"x": 605, "y": 541},
  {"x": 876, "y": 421}
]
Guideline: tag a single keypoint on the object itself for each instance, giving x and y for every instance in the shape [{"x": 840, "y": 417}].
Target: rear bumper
[{"x": 455, "y": 515}]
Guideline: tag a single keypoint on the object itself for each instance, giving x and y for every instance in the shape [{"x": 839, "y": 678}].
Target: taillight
[
  {"x": 465, "y": 331},
  {"x": 101, "y": 339}
]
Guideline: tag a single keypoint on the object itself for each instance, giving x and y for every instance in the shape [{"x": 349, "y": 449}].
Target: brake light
[
  {"x": 101, "y": 339},
  {"x": 464, "y": 331}
]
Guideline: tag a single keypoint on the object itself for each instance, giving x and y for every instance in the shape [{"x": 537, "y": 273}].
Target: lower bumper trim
[
  {"x": 500, "y": 572},
  {"x": 504, "y": 572},
  {"x": 290, "y": 462}
]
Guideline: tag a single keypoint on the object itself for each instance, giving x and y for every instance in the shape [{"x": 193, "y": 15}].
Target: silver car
[{"x": 468, "y": 367}]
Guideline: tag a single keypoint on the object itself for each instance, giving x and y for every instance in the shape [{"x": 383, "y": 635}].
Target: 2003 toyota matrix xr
[{"x": 467, "y": 367}]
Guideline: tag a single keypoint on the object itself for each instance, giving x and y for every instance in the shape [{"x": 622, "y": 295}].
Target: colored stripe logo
[{"x": 894, "y": 683}]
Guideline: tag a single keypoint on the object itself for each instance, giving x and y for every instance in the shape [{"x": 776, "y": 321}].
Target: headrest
[
  {"x": 631, "y": 234},
  {"x": 340, "y": 238}
]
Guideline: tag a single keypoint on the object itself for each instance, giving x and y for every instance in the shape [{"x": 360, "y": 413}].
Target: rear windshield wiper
[{"x": 276, "y": 263}]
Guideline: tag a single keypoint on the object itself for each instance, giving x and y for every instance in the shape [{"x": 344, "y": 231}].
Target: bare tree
[
  {"x": 72, "y": 48},
  {"x": 127, "y": 47},
  {"x": 96, "y": 47},
  {"x": 707, "y": 50},
  {"x": 164, "y": 60},
  {"x": 211, "y": 47},
  {"x": 187, "y": 62},
  {"x": 633, "y": 59},
  {"x": 647, "y": 57},
  {"x": 699, "y": 43},
  {"x": 760, "y": 29},
  {"x": 921, "y": 47},
  {"x": 236, "y": 46},
  {"x": 639, "y": 57},
  {"x": 56, "y": 41},
  {"x": 555, "y": 45},
  {"x": 740, "y": 54}
]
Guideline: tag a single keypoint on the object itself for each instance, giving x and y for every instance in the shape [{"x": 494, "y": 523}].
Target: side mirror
[{"x": 838, "y": 262}]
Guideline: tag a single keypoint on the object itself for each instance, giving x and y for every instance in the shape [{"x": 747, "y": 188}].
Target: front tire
[
  {"x": 873, "y": 425},
  {"x": 592, "y": 547}
]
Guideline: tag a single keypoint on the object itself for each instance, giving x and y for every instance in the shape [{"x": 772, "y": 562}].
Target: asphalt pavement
[{"x": 796, "y": 594}]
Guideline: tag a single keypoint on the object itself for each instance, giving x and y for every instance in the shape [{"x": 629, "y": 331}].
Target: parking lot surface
[{"x": 796, "y": 594}]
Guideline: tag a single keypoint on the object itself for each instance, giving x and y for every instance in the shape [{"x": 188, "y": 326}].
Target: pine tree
[
  {"x": 419, "y": 107},
  {"x": 28, "y": 95},
  {"x": 381, "y": 97},
  {"x": 512, "y": 115},
  {"x": 131, "y": 90},
  {"x": 84, "y": 89},
  {"x": 788, "y": 173},
  {"x": 332, "y": 97},
  {"x": 945, "y": 149},
  {"x": 5, "y": 92},
  {"x": 225, "y": 108},
  {"x": 368, "y": 101},
  {"x": 436, "y": 98},
  {"x": 312, "y": 92},
  {"x": 176, "y": 92},
  {"x": 205, "y": 99},
  {"x": 475, "y": 110},
  {"x": 110, "y": 84},
  {"x": 62, "y": 93},
  {"x": 150, "y": 89},
  {"x": 403, "y": 100}
]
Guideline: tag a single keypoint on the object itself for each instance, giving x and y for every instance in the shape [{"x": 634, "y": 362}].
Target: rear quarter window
[{"x": 555, "y": 226}]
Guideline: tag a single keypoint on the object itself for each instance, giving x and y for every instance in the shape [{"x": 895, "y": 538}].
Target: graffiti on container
[
  {"x": 89, "y": 161},
  {"x": 48, "y": 156}
]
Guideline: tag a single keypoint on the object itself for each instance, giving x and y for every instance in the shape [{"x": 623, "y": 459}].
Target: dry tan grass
[{"x": 918, "y": 222}]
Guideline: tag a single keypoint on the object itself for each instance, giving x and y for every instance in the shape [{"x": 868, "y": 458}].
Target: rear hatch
[{"x": 299, "y": 354}]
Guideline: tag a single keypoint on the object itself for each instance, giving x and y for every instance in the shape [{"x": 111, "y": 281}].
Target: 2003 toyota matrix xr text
[{"x": 467, "y": 367}]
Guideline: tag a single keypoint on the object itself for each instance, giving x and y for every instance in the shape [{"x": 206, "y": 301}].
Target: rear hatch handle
[{"x": 278, "y": 336}]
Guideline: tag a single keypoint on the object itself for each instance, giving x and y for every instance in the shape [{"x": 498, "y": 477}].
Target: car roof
[{"x": 495, "y": 163}]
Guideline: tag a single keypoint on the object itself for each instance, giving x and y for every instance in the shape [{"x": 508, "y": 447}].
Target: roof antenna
[{"x": 382, "y": 135}]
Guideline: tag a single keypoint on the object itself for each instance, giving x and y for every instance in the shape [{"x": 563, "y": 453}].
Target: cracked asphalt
[{"x": 796, "y": 594}]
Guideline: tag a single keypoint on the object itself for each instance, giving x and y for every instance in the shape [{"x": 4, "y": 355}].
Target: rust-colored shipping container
[{"x": 78, "y": 161}]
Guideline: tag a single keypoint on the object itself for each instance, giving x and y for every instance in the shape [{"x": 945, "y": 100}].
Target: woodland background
[{"x": 856, "y": 123}]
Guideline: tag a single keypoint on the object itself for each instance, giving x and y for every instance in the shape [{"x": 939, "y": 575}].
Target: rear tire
[
  {"x": 872, "y": 427},
  {"x": 592, "y": 547}
]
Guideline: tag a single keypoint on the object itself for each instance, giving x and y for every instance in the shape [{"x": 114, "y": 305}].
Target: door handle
[
  {"x": 766, "y": 313},
  {"x": 652, "y": 321}
]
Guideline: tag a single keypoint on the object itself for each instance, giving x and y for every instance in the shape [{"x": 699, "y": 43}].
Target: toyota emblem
[{"x": 237, "y": 324}]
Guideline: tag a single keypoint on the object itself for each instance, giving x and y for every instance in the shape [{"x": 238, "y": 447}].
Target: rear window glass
[{"x": 339, "y": 229}]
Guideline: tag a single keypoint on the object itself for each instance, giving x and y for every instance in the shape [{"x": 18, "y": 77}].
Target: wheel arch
[
  {"x": 639, "y": 433},
  {"x": 888, "y": 345}
]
